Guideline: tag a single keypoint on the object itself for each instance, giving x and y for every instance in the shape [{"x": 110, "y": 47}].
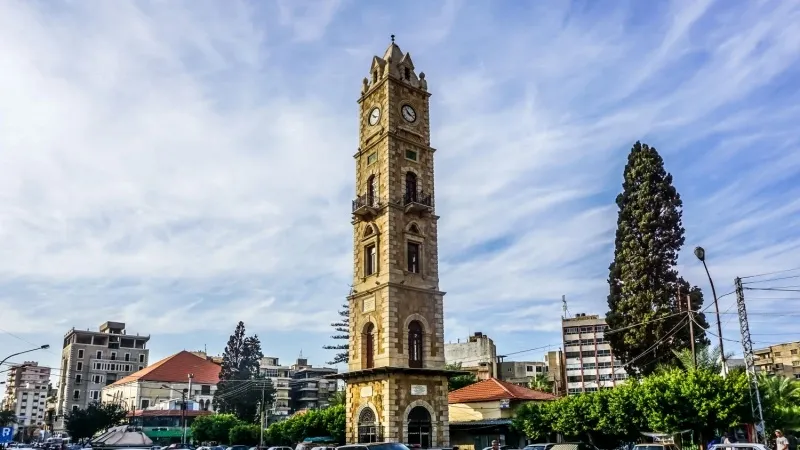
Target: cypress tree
[
  {"x": 643, "y": 281},
  {"x": 342, "y": 328}
]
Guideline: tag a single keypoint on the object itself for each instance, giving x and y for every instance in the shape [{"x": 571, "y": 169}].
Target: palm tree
[
  {"x": 780, "y": 397},
  {"x": 7, "y": 417},
  {"x": 541, "y": 382},
  {"x": 708, "y": 358}
]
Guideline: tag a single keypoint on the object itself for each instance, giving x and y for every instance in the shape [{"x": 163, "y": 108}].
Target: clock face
[
  {"x": 374, "y": 116},
  {"x": 409, "y": 114}
]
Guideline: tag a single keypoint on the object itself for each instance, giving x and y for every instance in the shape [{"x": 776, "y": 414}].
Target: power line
[
  {"x": 773, "y": 279},
  {"x": 770, "y": 273}
]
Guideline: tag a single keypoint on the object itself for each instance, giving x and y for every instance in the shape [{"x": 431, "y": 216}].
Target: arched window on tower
[
  {"x": 415, "y": 342},
  {"x": 372, "y": 191},
  {"x": 367, "y": 427},
  {"x": 407, "y": 73},
  {"x": 368, "y": 339},
  {"x": 375, "y": 77},
  {"x": 411, "y": 187}
]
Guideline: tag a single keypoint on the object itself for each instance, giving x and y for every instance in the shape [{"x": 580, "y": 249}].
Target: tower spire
[{"x": 392, "y": 36}]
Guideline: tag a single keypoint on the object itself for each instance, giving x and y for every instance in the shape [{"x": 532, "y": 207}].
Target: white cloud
[{"x": 170, "y": 161}]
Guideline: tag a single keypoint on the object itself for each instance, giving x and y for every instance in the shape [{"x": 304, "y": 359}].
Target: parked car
[
  {"x": 543, "y": 446},
  {"x": 374, "y": 446}
]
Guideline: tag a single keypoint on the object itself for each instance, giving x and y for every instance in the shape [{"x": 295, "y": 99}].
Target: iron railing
[
  {"x": 419, "y": 197},
  {"x": 365, "y": 200}
]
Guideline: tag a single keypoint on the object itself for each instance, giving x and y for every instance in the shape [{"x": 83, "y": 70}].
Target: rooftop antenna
[{"x": 564, "y": 309}]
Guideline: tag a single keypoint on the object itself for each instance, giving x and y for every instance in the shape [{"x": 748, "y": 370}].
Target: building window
[
  {"x": 78, "y": 378},
  {"x": 79, "y": 366},
  {"x": 99, "y": 355},
  {"x": 367, "y": 427},
  {"x": 74, "y": 408},
  {"x": 411, "y": 154},
  {"x": 205, "y": 389},
  {"x": 372, "y": 158},
  {"x": 141, "y": 358},
  {"x": 375, "y": 77},
  {"x": 793, "y": 352},
  {"x": 80, "y": 353},
  {"x": 370, "y": 260},
  {"x": 76, "y": 395},
  {"x": 415, "y": 338},
  {"x": 411, "y": 187},
  {"x": 529, "y": 368},
  {"x": 368, "y": 337},
  {"x": 141, "y": 367},
  {"x": 145, "y": 403},
  {"x": 94, "y": 395},
  {"x": 412, "y": 253},
  {"x": 127, "y": 356},
  {"x": 372, "y": 190},
  {"x": 113, "y": 356},
  {"x": 97, "y": 378}
]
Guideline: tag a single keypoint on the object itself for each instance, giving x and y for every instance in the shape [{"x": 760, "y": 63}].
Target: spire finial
[{"x": 392, "y": 36}]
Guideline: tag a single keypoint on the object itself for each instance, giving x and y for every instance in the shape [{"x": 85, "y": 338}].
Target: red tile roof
[
  {"x": 176, "y": 369},
  {"x": 494, "y": 389}
]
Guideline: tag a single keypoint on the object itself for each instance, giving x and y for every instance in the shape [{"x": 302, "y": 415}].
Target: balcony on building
[
  {"x": 366, "y": 206},
  {"x": 417, "y": 201}
]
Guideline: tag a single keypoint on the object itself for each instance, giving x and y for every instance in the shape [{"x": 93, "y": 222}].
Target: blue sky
[{"x": 181, "y": 166}]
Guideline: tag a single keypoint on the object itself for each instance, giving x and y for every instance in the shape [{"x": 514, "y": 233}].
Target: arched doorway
[
  {"x": 419, "y": 427},
  {"x": 367, "y": 427}
]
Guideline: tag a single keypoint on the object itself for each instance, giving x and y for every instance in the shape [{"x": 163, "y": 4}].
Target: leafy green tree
[
  {"x": 643, "y": 282},
  {"x": 7, "y": 418},
  {"x": 214, "y": 428},
  {"x": 534, "y": 419},
  {"x": 245, "y": 434},
  {"x": 337, "y": 398},
  {"x": 320, "y": 422},
  {"x": 780, "y": 400},
  {"x": 342, "y": 328},
  {"x": 541, "y": 382},
  {"x": 237, "y": 391},
  {"x": 85, "y": 423},
  {"x": 459, "y": 381}
]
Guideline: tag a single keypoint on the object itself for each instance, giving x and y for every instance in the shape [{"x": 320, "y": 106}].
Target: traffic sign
[{"x": 6, "y": 433}]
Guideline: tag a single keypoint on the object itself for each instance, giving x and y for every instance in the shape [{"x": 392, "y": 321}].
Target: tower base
[{"x": 396, "y": 404}]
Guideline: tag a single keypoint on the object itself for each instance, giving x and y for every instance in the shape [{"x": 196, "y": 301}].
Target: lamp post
[
  {"x": 183, "y": 409},
  {"x": 43, "y": 347},
  {"x": 700, "y": 253}
]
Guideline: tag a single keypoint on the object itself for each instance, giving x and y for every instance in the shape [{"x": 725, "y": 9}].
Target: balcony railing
[
  {"x": 366, "y": 205},
  {"x": 417, "y": 201}
]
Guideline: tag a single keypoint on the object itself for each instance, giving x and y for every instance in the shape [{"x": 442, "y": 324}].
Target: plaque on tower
[
  {"x": 369, "y": 304},
  {"x": 419, "y": 389}
]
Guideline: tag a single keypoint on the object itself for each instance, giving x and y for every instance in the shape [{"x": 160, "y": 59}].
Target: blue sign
[{"x": 6, "y": 433}]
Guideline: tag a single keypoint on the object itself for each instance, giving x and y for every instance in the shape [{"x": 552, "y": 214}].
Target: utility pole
[
  {"x": 183, "y": 415},
  {"x": 749, "y": 361},
  {"x": 183, "y": 408},
  {"x": 691, "y": 323}
]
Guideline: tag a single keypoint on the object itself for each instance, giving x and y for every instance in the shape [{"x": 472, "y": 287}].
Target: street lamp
[
  {"x": 700, "y": 253},
  {"x": 43, "y": 347},
  {"x": 183, "y": 409}
]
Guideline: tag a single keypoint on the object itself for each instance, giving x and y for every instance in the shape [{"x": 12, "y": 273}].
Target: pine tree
[
  {"x": 342, "y": 327},
  {"x": 643, "y": 281},
  {"x": 239, "y": 388}
]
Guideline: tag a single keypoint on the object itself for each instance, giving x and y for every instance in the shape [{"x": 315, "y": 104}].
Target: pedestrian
[
  {"x": 496, "y": 445},
  {"x": 781, "y": 443}
]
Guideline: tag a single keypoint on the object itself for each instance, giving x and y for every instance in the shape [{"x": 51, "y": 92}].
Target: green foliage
[
  {"x": 665, "y": 402},
  {"x": 245, "y": 434},
  {"x": 643, "y": 282},
  {"x": 337, "y": 398},
  {"x": 459, "y": 381},
  {"x": 237, "y": 391},
  {"x": 313, "y": 423},
  {"x": 780, "y": 400},
  {"x": 342, "y": 328},
  {"x": 7, "y": 418},
  {"x": 541, "y": 382},
  {"x": 708, "y": 358},
  {"x": 85, "y": 423},
  {"x": 214, "y": 428}
]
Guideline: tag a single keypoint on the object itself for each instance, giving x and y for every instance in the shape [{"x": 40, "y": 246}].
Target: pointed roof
[
  {"x": 494, "y": 389},
  {"x": 394, "y": 52},
  {"x": 176, "y": 369}
]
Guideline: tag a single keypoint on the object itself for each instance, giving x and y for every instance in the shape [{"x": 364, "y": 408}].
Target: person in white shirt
[{"x": 781, "y": 443}]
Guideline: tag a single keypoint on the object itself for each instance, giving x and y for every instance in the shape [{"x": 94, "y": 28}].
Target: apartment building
[
  {"x": 521, "y": 373},
  {"x": 309, "y": 390},
  {"x": 589, "y": 363},
  {"x": 780, "y": 359},
  {"x": 281, "y": 380},
  {"x": 91, "y": 360},
  {"x": 26, "y": 389},
  {"x": 477, "y": 354}
]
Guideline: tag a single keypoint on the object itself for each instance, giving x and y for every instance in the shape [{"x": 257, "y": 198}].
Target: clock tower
[{"x": 396, "y": 379}]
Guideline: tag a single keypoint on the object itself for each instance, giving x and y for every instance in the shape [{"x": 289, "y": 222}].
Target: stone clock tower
[{"x": 396, "y": 382}]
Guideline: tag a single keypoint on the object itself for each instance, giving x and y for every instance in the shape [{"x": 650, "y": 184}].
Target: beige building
[
  {"x": 555, "y": 370},
  {"x": 280, "y": 376},
  {"x": 522, "y": 373},
  {"x": 165, "y": 381},
  {"x": 589, "y": 362},
  {"x": 780, "y": 359},
  {"x": 26, "y": 389},
  {"x": 396, "y": 379},
  {"x": 476, "y": 354},
  {"x": 91, "y": 360}
]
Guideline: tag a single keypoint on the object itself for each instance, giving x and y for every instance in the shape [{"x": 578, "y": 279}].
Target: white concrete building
[
  {"x": 589, "y": 362},
  {"x": 477, "y": 354},
  {"x": 281, "y": 378},
  {"x": 26, "y": 394}
]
